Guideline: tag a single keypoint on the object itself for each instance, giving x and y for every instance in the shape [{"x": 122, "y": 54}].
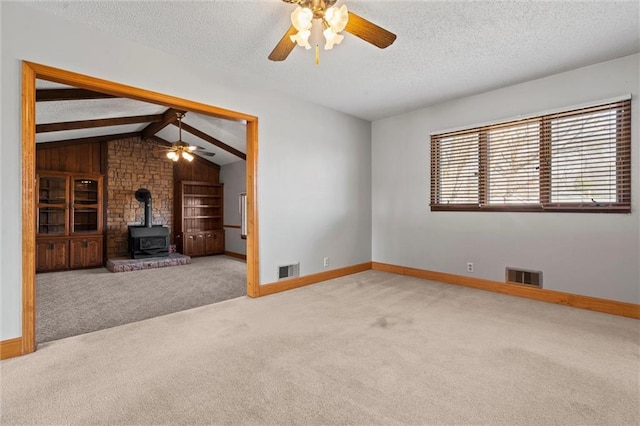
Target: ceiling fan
[
  {"x": 333, "y": 20},
  {"x": 180, "y": 149}
]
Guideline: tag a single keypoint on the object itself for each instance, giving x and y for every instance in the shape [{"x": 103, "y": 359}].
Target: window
[{"x": 578, "y": 161}]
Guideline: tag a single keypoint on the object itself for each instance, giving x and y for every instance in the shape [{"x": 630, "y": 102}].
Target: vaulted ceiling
[{"x": 65, "y": 113}]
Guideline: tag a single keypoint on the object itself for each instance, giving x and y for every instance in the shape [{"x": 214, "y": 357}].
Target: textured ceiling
[{"x": 444, "y": 50}]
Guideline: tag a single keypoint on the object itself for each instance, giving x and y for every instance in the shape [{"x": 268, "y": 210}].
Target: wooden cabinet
[
  {"x": 69, "y": 220},
  {"x": 52, "y": 255},
  {"x": 198, "y": 218},
  {"x": 203, "y": 243},
  {"x": 193, "y": 244},
  {"x": 53, "y": 204},
  {"x": 85, "y": 252},
  {"x": 69, "y": 204},
  {"x": 218, "y": 241},
  {"x": 214, "y": 241}
]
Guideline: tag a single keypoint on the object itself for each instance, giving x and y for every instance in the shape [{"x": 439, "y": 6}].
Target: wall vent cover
[
  {"x": 524, "y": 276},
  {"x": 288, "y": 271}
]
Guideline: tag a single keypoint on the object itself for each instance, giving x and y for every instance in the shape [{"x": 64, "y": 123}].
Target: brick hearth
[{"x": 126, "y": 265}]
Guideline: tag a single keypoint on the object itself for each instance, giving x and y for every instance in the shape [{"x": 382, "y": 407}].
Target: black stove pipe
[
  {"x": 147, "y": 213},
  {"x": 144, "y": 195}
]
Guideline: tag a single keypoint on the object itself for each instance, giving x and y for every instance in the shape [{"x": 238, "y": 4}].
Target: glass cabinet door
[
  {"x": 52, "y": 205},
  {"x": 85, "y": 205}
]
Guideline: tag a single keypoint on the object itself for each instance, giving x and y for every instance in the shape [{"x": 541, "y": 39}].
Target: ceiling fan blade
[
  {"x": 284, "y": 46},
  {"x": 369, "y": 31}
]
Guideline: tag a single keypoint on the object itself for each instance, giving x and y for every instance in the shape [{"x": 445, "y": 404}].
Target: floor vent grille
[
  {"x": 524, "y": 276},
  {"x": 288, "y": 271}
]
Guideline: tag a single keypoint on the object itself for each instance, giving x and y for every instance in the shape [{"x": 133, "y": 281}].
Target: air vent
[
  {"x": 524, "y": 276},
  {"x": 288, "y": 271}
]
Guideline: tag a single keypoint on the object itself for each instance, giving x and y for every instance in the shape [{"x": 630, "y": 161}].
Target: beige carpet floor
[
  {"x": 70, "y": 303},
  {"x": 371, "y": 348}
]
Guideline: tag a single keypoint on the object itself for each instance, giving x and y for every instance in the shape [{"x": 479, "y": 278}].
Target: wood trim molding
[
  {"x": 122, "y": 90},
  {"x": 236, "y": 255},
  {"x": 280, "y": 286},
  {"x": 253, "y": 264},
  {"x": 613, "y": 307},
  {"x": 28, "y": 209},
  {"x": 31, "y": 71},
  {"x": 10, "y": 348}
]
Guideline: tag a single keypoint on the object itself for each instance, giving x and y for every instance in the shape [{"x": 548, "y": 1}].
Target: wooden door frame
[{"x": 30, "y": 72}]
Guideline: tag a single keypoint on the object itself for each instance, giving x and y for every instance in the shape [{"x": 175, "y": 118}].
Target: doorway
[{"x": 31, "y": 72}]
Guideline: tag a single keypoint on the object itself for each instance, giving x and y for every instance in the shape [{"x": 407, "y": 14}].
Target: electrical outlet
[
  {"x": 326, "y": 262},
  {"x": 469, "y": 266}
]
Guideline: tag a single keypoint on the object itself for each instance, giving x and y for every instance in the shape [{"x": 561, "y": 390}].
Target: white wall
[
  {"x": 314, "y": 184},
  {"x": 234, "y": 177},
  {"x": 584, "y": 253}
]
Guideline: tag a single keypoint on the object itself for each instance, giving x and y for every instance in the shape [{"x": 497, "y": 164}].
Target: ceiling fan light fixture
[
  {"x": 302, "y": 38},
  {"x": 331, "y": 38},
  {"x": 337, "y": 17},
  {"x": 187, "y": 156},
  {"x": 302, "y": 18},
  {"x": 179, "y": 148}
]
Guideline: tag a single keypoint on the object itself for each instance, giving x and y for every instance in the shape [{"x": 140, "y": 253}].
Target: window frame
[{"x": 623, "y": 164}]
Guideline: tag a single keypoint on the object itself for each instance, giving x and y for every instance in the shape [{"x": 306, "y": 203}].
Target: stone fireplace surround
[{"x": 133, "y": 164}]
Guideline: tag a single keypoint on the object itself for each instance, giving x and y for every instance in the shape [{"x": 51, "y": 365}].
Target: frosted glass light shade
[
  {"x": 332, "y": 38},
  {"x": 301, "y": 18},
  {"x": 172, "y": 155},
  {"x": 302, "y": 38},
  {"x": 187, "y": 156},
  {"x": 337, "y": 17}
]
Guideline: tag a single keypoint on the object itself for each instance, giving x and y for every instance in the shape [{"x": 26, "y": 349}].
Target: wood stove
[{"x": 148, "y": 240}]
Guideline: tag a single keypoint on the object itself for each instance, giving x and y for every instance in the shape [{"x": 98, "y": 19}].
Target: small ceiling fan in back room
[
  {"x": 331, "y": 21},
  {"x": 180, "y": 149}
]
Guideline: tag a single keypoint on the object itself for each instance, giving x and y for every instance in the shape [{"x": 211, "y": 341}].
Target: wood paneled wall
[
  {"x": 89, "y": 158},
  {"x": 66, "y": 157},
  {"x": 127, "y": 165},
  {"x": 198, "y": 170}
]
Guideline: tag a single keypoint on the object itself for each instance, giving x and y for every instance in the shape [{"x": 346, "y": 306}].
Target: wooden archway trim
[{"x": 30, "y": 72}]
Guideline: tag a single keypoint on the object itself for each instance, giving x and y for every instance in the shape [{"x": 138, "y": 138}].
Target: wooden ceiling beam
[
  {"x": 160, "y": 141},
  {"x": 91, "y": 139},
  {"x": 212, "y": 140},
  {"x": 168, "y": 117},
  {"x": 71, "y": 94},
  {"x": 100, "y": 122}
]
